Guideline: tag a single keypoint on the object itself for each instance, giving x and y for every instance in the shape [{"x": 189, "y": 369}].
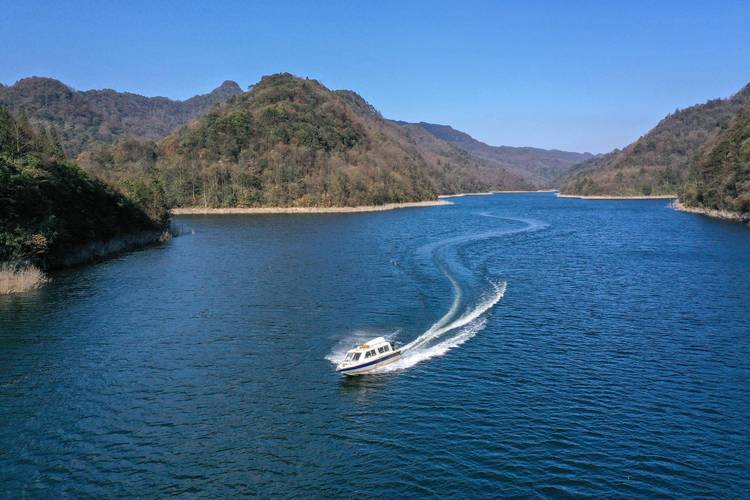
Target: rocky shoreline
[
  {"x": 711, "y": 212},
  {"x": 487, "y": 193},
  {"x": 610, "y": 197},
  {"x": 676, "y": 204}
]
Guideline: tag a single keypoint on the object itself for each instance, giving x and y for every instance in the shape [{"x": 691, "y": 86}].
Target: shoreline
[
  {"x": 22, "y": 276},
  {"x": 708, "y": 212},
  {"x": 487, "y": 193},
  {"x": 306, "y": 210},
  {"x": 611, "y": 197}
]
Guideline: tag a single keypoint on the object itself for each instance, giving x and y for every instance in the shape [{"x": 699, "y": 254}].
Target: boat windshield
[{"x": 352, "y": 356}]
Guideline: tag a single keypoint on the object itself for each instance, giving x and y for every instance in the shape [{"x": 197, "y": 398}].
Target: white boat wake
[
  {"x": 453, "y": 328},
  {"x": 432, "y": 342}
]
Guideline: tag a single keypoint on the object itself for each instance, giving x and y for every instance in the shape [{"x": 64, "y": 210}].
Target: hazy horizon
[{"x": 586, "y": 77}]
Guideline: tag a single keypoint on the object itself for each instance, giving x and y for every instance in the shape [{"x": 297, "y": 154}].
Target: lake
[{"x": 560, "y": 347}]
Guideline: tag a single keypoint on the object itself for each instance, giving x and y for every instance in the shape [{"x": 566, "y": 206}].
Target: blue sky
[{"x": 575, "y": 75}]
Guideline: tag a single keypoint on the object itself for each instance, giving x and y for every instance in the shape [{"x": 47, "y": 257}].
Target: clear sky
[{"x": 575, "y": 75}]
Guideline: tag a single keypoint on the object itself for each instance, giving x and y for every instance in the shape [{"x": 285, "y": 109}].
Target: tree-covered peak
[{"x": 85, "y": 118}]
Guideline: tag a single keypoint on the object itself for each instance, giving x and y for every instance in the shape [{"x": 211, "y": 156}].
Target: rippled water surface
[{"x": 556, "y": 347}]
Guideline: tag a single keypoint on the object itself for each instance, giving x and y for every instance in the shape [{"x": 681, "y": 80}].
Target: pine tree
[{"x": 52, "y": 147}]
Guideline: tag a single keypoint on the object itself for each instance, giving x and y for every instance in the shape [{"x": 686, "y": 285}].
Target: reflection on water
[{"x": 364, "y": 387}]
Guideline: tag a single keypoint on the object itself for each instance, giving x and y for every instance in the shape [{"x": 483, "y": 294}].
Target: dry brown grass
[
  {"x": 15, "y": 278},
  {"x": 307, "y": 210}
]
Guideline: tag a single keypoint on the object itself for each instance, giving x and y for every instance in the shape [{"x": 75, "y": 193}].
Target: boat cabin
[
  {"x": 369, "y": 355},
  {"x": 373, "y": 349}
]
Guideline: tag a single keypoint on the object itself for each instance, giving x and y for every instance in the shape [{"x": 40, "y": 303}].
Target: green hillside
[
  {"x": 51, "y": 211},
  {"x": 658, "y": 162},
  {"x": 720, "y": 178},
  {"x": 292, "y": 142}
]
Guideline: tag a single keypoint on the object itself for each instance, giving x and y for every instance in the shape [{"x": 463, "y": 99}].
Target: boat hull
[{"x": 366, "y": 368}]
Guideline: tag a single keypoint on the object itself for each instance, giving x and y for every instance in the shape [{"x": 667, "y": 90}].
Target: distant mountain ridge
[
  {"x": 440, "y": 152},
  {"x": 83, "y": 118},
  {"x": 539, "y": 167},
  {"x": 133, "y": 141},
  {"x": 659, "y": 161}
]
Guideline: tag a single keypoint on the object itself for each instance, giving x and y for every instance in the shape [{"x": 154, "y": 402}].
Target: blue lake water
[{"x": 565, "y": 347}]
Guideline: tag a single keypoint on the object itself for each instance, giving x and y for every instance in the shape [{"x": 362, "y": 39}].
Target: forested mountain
[
  {"x": 658, "y": 162},
  {"x": 292, "y": 142},
  {"x": 50, "y": 209},
  {"x": 444, "y": 154},
  {"x": 459, "y": 170},
  {"x": 720, "y": 177},
  {"x": 539, "y": 167},
  {"x": 83, "y": 118},
  {"x": 287, "y": 142}
]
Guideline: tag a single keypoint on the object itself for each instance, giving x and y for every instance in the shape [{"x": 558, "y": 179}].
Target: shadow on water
[{"x": 364, "y": 384}]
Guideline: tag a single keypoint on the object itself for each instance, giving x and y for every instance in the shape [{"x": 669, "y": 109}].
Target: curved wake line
[
  {"x": 438, "y": 330},
  {"x": 469, "y": 324},
  {"x": 431, "y": 343}
]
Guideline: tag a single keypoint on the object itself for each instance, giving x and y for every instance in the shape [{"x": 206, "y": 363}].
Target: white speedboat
[{"x": 369, "y": 356}]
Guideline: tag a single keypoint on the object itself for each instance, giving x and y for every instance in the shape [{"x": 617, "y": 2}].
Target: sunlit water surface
[{"x": 555, "y": 347}]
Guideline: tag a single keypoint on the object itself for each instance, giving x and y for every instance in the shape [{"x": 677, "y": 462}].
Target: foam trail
[
  {"x": 438, "y": 329},
  {"x": 412, "y": 358},
  {"x": 469, "y": 324},
  {"x": 457, "y": 294},
  {"x": 431, "y": 343}
]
